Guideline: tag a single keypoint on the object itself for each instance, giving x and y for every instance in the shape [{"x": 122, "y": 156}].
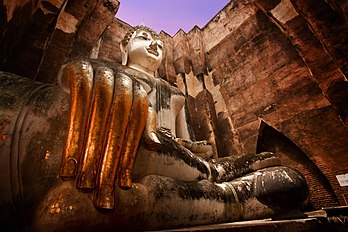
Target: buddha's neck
[{"x": 149, "y": 72}]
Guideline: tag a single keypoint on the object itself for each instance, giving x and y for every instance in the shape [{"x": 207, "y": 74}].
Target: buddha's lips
[{"x": 153, "y": 51}]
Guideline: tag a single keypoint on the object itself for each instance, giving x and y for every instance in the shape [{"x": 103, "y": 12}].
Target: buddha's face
[{"x": 144, "y": 50}]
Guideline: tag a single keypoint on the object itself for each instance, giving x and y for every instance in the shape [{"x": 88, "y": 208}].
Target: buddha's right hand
[{"x": 105, "y": 128}]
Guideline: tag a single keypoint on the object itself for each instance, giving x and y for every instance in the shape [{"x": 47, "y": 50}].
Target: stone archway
[{"x": 321, "y": 191}]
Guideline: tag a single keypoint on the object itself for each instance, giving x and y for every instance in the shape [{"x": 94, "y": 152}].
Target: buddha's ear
[{"x": 124, "y": 54}]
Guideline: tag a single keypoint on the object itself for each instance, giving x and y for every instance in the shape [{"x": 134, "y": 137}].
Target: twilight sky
[{"x": 169, "y": 15}]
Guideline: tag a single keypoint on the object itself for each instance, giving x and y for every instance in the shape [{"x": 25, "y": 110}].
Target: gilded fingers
[
  {"x": 101, "y": 104},
  {"x": 79, "y": 75},
  {"x": 119, "y": 117},
  {"x": 107, "y": 121},
  {"x": 133, "y": 136}
]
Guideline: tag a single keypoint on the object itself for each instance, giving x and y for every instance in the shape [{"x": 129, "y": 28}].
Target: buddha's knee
[{"x": 281, "y": 188}]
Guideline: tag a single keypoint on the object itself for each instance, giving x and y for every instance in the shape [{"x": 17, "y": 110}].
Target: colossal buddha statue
[{"x": 110, "y": 148}]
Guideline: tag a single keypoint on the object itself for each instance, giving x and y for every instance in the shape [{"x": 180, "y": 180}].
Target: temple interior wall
[{"x": 261, "y": 75}]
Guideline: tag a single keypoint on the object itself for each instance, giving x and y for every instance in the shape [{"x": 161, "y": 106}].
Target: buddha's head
[{"x": 142, "y": 50}]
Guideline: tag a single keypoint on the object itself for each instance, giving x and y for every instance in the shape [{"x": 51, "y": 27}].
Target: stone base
[{"x": 325, "y": 220}]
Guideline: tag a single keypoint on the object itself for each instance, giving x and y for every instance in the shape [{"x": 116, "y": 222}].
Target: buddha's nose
[{"x": 154, "y": 44}]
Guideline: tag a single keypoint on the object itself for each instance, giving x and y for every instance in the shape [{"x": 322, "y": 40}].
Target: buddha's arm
[
  {"x": 181, "y": 125},
  {"x": 201, "y": 148},
  {"x": 151, "y": 140}
]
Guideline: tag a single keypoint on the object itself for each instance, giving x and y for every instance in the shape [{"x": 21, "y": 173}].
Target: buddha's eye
[
  {"x": 144, "y": 37},
  {"x": 159, "y": 44}
]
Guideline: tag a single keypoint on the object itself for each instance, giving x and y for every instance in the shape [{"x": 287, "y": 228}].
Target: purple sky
[{"x": 169, "y": 15}]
